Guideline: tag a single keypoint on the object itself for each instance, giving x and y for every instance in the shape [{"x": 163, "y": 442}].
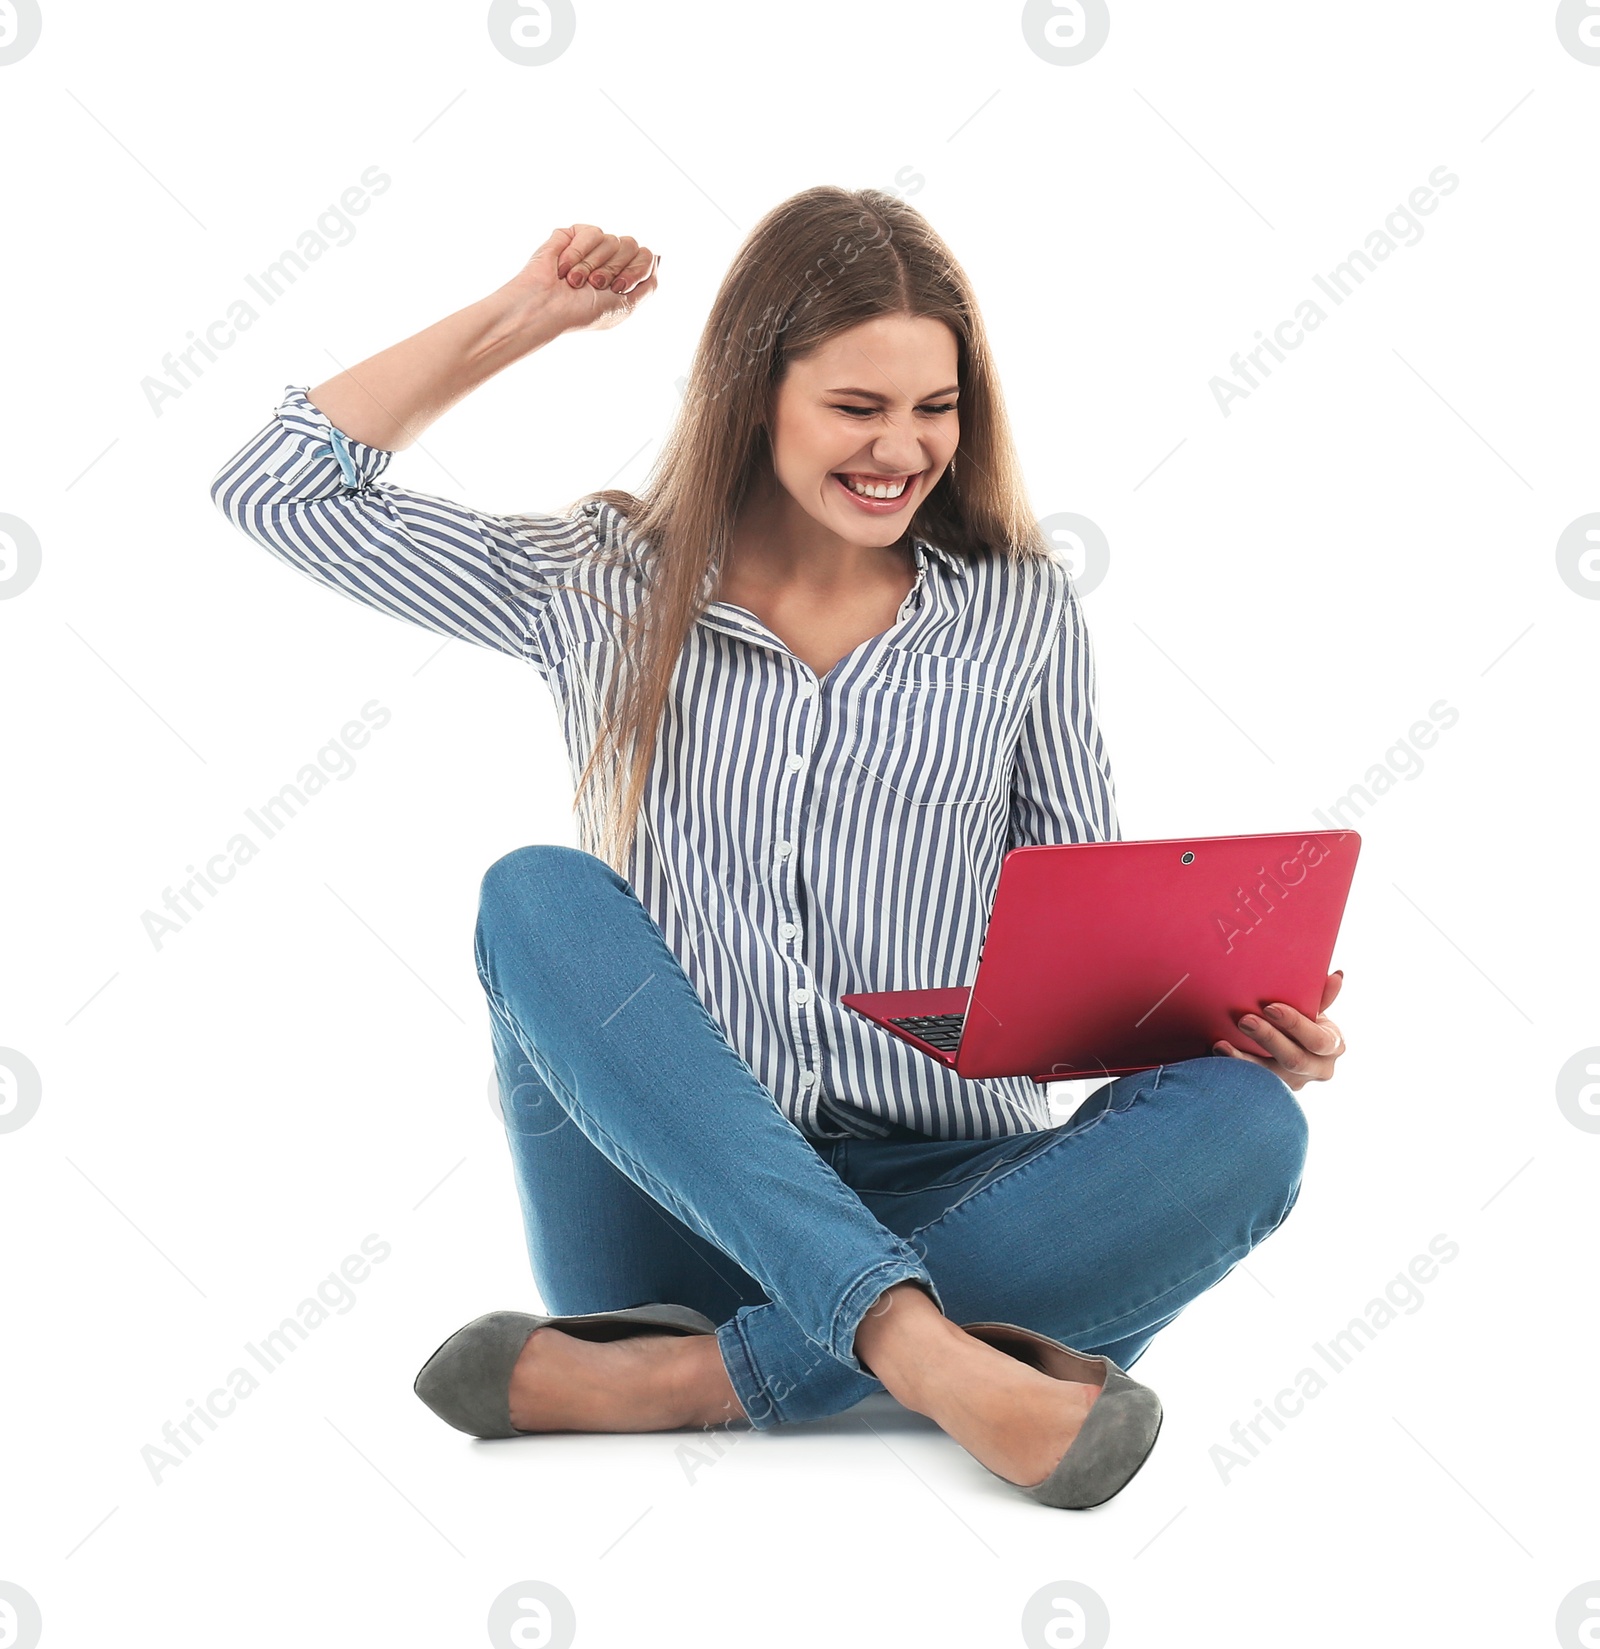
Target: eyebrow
[{"x": 873, "y": 395}]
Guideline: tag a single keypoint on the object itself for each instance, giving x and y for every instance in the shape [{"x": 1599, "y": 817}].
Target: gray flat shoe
[
  {"x": 467, "y": 1381},
  {"x": 1117, "y": 1435}
]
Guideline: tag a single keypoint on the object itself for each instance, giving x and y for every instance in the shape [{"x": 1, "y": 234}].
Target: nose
[{"x": 897, "y": 452}]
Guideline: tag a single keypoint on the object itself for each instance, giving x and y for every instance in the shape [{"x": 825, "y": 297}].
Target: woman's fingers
[
  {"x": 1319, "y": 1036},
  {"x": 1305, "y": 1051},
  {"x": 580, "y": 238},
  {"x": 604, "y": 262},
  {"x": 585, "y": 253},
  {"x": 1298, "y": 1050},
  {"x": 597, "y": 279},
  {"x": 606, "y": 270},
  {"x": 634, "y": 272},
  {"x": 1284, "y": 1051}
]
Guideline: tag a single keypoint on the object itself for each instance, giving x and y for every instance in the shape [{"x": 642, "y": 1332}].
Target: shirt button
[
  {"x": 800, "y": 995},
  {"x": 807, "y": 1078},
  {"x": 805, "y": 691},
  {"x": 783, "y": 850},
  {"x": 787, "y": 930},
  {"x": 796, "y": 763}
]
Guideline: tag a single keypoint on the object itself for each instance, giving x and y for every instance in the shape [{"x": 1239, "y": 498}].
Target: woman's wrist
[{"x": 515, "y": 323}]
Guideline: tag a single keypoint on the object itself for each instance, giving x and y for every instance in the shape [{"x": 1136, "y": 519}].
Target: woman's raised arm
[
  {"x": 306, "y": 487},
  {"x": 580, "y": 278}
]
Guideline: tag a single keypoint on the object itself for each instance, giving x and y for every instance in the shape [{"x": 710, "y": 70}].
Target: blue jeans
[{"x": 652, "y": 1165}]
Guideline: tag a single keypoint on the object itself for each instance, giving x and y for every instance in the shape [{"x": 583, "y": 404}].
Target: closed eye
[{"x": 868, "y": 412}]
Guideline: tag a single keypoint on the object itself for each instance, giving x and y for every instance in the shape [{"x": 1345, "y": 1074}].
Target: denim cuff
[
  {"x": 763, "y": 1393},
  {"x": 762, "y": 1404},
  {"x": 858, "y": 1300}
]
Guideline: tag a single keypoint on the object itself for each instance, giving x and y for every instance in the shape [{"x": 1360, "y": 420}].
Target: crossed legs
[{"x": 651, "y": 1165}]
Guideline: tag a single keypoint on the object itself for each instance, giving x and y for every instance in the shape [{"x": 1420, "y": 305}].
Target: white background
[{"x": 1290, "y": 587}]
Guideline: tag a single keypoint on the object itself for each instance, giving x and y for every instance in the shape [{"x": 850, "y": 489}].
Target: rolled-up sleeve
[
  {"x": 310, "y": 494},
  {"x": 1062, "y": 789}
]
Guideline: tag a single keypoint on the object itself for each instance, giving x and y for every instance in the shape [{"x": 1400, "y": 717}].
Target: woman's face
[{"x": 874, "y": 406}]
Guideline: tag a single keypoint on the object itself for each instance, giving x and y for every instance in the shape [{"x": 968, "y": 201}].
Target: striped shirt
[{"x": 800, "y": 837}]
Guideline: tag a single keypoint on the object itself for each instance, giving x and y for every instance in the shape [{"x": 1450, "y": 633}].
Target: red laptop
[{"x": 1103, "y": 958}]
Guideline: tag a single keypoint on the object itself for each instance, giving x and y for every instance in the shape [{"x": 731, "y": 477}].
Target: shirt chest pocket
[{"x": 933, "y": 730}]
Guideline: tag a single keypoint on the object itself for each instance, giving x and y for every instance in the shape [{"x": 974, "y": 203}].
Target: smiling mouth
[{"x": 883, "y": 488}]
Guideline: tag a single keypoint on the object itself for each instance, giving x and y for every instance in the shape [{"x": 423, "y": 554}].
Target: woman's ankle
[
  {"x": 902, "y": 1340},
  {"x": 707, "y": 1397}
]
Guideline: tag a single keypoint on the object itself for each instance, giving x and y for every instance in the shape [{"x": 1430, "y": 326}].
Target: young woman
[{"x": 814, "y": 682}]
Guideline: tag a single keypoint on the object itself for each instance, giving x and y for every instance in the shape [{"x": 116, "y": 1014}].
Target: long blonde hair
[{"x": 822, "y": 261}]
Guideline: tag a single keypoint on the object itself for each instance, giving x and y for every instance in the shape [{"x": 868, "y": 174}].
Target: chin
[{"x": 872, "y": 535}]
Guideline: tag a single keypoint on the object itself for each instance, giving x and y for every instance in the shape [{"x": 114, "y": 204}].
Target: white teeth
[{"x": 882, "y": 491}]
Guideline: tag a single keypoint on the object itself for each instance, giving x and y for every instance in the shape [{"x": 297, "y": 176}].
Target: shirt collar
[
  {"x": 938, "y": 605},
  {"x": 951, "y": 560}
]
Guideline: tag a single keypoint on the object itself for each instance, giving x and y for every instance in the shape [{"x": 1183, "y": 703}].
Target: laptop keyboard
[{"x": 939, "y": 1030}]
